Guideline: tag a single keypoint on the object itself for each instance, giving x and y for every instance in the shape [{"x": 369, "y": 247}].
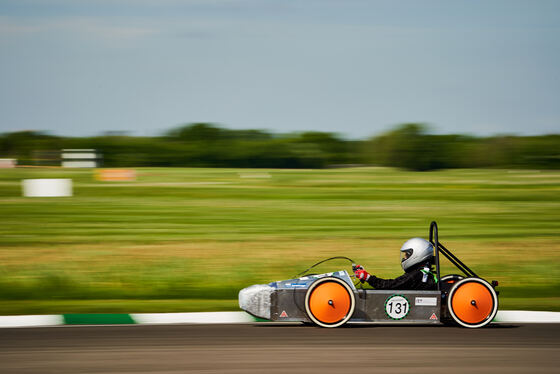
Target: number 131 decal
[{"x": 397, "y": 307}]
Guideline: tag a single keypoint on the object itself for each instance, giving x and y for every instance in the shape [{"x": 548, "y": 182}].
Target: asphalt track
[{"x": 270, "y": 349}]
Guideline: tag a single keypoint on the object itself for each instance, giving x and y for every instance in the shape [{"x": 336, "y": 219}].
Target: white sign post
[{"x": 47, "y": 187}]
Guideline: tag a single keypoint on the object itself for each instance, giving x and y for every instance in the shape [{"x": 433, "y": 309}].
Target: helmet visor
[{"x": 405, "y": 255}]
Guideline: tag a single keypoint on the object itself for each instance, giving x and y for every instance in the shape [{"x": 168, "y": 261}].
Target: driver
[{"x": 417, "y": 258}]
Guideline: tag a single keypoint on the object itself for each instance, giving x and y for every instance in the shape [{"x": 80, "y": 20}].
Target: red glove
[{"x": 361, "y": 274}]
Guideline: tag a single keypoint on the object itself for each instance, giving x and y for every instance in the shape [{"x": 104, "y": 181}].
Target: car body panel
[{"x": 285, "y": 301}]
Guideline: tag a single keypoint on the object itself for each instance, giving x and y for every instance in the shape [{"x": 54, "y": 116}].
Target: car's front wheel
[{"x": 329, "y": 302}]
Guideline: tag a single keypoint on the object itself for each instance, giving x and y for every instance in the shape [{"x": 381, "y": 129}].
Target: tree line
[{"x": 408, "y": 146}]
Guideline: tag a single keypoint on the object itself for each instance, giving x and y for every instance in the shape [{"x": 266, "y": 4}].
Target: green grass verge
[{"x": 181, "y": 235}]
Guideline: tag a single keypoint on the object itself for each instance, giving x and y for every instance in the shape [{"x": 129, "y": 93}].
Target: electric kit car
[{"x": 332, "y": 299}]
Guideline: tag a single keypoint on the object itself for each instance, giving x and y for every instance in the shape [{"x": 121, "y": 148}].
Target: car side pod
[
  {"x": 329, "y": 302},
  {"x": 472, "y": 302}
]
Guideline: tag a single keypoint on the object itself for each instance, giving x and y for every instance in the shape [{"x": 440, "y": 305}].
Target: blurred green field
[{"x": 188, "y": 239}]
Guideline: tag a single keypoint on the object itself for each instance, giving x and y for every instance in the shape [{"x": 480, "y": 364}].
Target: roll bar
[
  {"x": 439, "y": 248},
  {"x": 434, "y": 236}
]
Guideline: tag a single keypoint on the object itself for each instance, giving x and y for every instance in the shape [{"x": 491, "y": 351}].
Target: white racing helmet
[{"x": 415, "y": 251}]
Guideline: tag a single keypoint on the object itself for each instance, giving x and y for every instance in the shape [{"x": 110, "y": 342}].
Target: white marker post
[{"x": 47, "y": 187}]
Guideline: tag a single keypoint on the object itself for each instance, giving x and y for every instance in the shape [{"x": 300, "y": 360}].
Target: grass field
[{"x": 189, "y": 239}]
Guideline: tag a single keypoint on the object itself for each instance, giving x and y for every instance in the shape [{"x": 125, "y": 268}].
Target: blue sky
[{"x": 354, "y": 67}]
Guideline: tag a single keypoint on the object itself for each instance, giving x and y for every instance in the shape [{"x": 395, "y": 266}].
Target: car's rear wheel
[
  {"x": 472, "y": 303},
  {"x": 329, "y": 302}
]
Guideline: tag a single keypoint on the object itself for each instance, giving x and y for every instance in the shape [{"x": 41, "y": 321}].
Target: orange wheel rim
[
  {"x": 329, "y": 302},
  {"x": 472, "y": 302}
]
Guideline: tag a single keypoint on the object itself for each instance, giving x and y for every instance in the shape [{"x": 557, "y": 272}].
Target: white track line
[
  {"x": 207, "y": 318},
  {"x": 503, "y": 316},
  {"x": 525, "y": 316},
  {"x": 31, "y": 321}
]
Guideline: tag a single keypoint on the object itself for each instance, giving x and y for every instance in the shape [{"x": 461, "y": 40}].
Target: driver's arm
[{"x": 403, "y": 282}]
